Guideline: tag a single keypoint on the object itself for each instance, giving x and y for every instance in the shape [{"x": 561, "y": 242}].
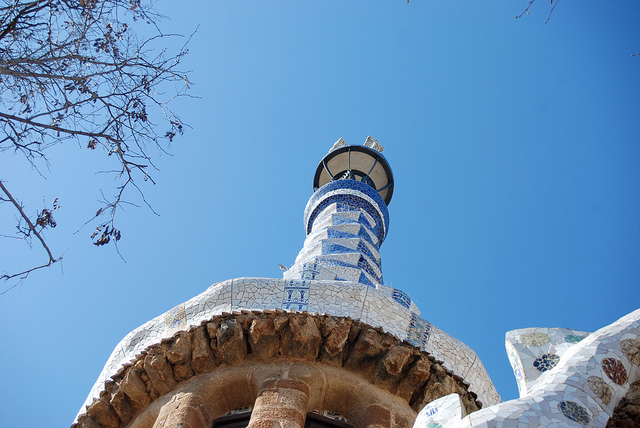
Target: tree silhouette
[{"x": 76, "y": 70}]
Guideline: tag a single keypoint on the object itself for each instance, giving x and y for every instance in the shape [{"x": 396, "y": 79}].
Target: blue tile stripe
[
  {"x": 402, "y": 298},
  {"x": 348, "y": 195},
  {"x": 418, "y": 331}
]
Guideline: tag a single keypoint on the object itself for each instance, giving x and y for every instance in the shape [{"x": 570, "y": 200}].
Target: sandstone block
[
  {"x": 135, "y": 388},
  {"x": 159, "y": 371},
  {"x": 336, "y": 338},
  {"x": 232, "y": 347},
  {"x": 417, "y": 376},
  {"x": 182, "y": 372},
  {"x": 122, "y": 406},
  {"x": 301, "y": 339},
  {"x": 438, "y": 385},
  {"x": 180, "y": 351},
  {"x": 102, "y": 412},
  {"x": 390, "y": 368},
  {"x": 263, "y": 339},
  {"x": 201, "y": 356},
  {"x": 87, "y": 422},
  {"x": 366, "y": 353},
  {"x": 377, "y": 416}
]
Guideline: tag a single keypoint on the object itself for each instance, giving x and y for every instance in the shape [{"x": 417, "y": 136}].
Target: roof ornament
[
  {"x": 371, "y": 143},
  {"x": 338, "y": 144}
]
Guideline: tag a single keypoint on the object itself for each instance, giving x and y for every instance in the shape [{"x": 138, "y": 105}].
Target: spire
[{"x": 346, "y": 219}]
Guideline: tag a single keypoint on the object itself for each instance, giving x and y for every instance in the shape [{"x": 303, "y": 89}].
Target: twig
[{"x": 32, "y": 229}]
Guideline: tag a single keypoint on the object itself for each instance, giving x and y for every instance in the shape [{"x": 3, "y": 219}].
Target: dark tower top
[{"x": 361, "y": 163}]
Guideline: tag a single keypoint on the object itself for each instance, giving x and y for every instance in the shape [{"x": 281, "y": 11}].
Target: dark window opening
[
  {"x": 236, "y": 420},
  {"x": 315, "y": 420}
]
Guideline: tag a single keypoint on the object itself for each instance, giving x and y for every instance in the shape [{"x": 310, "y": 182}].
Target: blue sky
[{"x": 514, "y": 144}]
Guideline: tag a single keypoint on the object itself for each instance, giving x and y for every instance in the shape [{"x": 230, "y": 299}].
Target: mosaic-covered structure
[
  {"x": 330, "y": 345},
  {"x": 566, "y": 378}
]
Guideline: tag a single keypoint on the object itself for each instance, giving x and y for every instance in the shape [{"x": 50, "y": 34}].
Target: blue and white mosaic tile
[
  {"x": 402, "y": 298},
  {"x": 374, "y": 306},
  {"x": 296, "y": 295},
  {"x": 346, "y": 222},
  {"x": 447, "y": 409},
  {"x": 418, "y": 331}
]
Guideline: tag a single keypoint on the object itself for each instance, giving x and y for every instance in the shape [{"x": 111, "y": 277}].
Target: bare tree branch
[
  {"x": 75, "y": 70},
  {"x": 45, "y": 218},
  {"x": 526, "y": 10}
]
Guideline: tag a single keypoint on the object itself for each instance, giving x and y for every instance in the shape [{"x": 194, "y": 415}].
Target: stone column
[
  {"x": 377, "y": 416},
  {"x": 184, "y": 410},
  {"x": 281, "y": 403}
]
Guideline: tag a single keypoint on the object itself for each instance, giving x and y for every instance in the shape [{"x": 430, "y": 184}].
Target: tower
[{"x": 327, "y": 345}]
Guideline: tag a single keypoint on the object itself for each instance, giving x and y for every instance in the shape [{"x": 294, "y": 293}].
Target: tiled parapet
[
  {"x": 381, "y": 307},
  {"x": 584, "y": 377},
  {"x": 447, "y": 409},
  {"x": 346, "y": 221},
  {"x": 534, "y": 351}
]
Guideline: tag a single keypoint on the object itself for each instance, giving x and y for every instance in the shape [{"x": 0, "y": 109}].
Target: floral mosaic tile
[
  {"x": 600, "y": 388},
  {"x": 535, "y": 338},
  {"x": 582, "y": 388},
  {"x": 631, "y": 349},
  {"x": 614, "y": 370},
  {"x": 526, "y": 347},
  {"x": 575, "y": 412},
  {"x": 296, "y": 295},
  {"x": 546, "y": 362}
]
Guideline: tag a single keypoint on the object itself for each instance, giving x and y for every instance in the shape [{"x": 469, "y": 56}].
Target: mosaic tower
[
  {"x": 327, "y": 345},
  {"x": 330, "y": 345},
  {"x": 346, "y": 219}
]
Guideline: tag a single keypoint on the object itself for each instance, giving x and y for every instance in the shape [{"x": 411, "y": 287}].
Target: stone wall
[
  {"x": 250, "y": 341},
  {"x": 627, "y": 412}
]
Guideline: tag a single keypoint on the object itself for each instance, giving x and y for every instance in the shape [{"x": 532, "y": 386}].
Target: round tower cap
[{"x": 355, "y": 162}]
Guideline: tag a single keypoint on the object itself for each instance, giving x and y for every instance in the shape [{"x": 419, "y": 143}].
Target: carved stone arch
[{"x": 222, "y": 365}]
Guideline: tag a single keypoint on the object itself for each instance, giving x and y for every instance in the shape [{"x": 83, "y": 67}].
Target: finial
[
  {"x": 374, "y": 144},
  {"x": 338, "y": 143}
]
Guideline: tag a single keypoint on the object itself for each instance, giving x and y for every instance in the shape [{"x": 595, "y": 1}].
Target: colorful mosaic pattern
[
  {"x": 600, "y": 388},
  {"x": 535, "y": 339},
  {"x": 575, "y": 412},
  {"x": 346, "y": 222},
  {"x": 573, "y": 338},
  {"x": 546, "y": 362},
  {"x": 175, "y": 319},
  {"x": 296, "y": 295},
  {"x": 310, "y": 271},
  {"x": 354, "y": 196},
  {"x": 614, "y": 370},
  {"x": 574, "y": 392},
  {"x": 401, "y": 298},
  {"x": 631, "y": 349},
  {"x": 525, "y": 346},
  {"x": 418, "y": 331}
]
